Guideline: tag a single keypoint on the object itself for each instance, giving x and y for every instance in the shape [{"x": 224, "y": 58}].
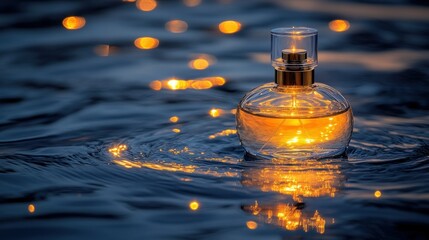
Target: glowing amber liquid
[{"x": 288, "y": 137}]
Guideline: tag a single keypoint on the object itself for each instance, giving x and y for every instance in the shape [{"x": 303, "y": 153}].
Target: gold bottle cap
[
  {"x": 294, "y": 55},
  {"x": 294, "y": 78},
  {"x": 291, "y": 74}
]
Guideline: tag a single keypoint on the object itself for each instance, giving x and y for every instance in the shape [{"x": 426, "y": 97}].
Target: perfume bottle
[{"x": 293, "y": 117}]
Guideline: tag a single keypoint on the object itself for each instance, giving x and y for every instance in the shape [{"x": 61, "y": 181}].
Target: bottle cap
[{"x": 294, "y": 48}]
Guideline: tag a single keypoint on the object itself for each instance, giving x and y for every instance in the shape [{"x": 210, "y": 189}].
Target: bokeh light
[
  {"x": 174, "y": 119},
  {"x": 146, "y": 43},
  {"x": 194, "y": 205},
  {"x": 201, "y": 61},
  {"x": 218, "y": 81},
  {"x": 215, "y": 112},
  {"x": 377, "y": 194},
  {"x": 229, "y": 26},
  {"x": 156, "y": 85},
  {"x": 180, "y": 84},
  {"x": 201, "y": 85},
  {"x": 199, "y": 64},
  {"x": 192, "y": 3},
  {"x": 146, "y": 5},
  {"x": 31, "y": 208},
  {"x": 339, "y": 25},
  {"x": 74, "y": 22},
  {"x": 176, "y": 26},
  {"x": 175, "y": 84},
  {"x": 252, "y": 225}
]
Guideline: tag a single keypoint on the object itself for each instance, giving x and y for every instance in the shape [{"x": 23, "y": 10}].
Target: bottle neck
[{"x": 294, "y": 78}]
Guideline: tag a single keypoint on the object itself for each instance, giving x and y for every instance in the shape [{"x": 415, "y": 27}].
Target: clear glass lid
[{"x": 294, "y": 48}]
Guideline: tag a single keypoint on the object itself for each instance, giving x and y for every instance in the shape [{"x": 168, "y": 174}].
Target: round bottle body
[{"x": 294, "y": 122}]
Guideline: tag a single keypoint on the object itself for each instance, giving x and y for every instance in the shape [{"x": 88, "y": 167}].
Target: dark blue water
[{"x": 64, "y": 107}]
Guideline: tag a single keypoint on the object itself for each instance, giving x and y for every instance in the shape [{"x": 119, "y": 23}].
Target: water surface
[{"x": 88, "y": 150}]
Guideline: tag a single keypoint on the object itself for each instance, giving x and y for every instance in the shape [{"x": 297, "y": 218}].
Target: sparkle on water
[
  {"x": 146, "y": 43},
  {"x": 339, "y": 25},
  {"x": 252, "y": 225},
  {"x": 146, "y": 5},
  {"x": 74, "y": 22},
  {"x": 176, "y": 26},
  {"x": 229, "y": 27},
  {"x": 181, "y": 84},
  {"x": 31, "y": 208},
  {"x": 174, "y": 119},
  {"x": 377, "y": 194},
  {"x": 194, "y": 205}
]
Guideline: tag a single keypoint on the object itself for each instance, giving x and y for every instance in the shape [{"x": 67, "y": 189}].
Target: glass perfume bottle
[{"x": 294, "y": 117}]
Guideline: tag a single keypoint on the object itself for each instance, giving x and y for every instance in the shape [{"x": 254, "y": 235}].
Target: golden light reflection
[
  {"x": 176, "y": 151},
  {"x": 116, "y": 151},
  {"x": 173, "y": 167},
  {"x": 181, "y": 84},
  {"x": 201, "y": 61},
  {"x": 156, "y": 85},
  {"x": 199, "y": 64},
  {"x": 192, "y": 3},
  {"x": 215, "y": 112},
  {"x": 339, "y": 25},
  {"x": 176, "y": 26},
  {"x": 174, "y": 119},
  {"x": 105, "y": 50},
  {"x": 299, "y": 179},
  {"x": 200, "y": 85},
  {"x": 217, "y": 81},
  {"x": 233, "y": 111},
  {"x": 176, "y": 130},
  {"x": 146, "y": 5},
  {"x": 169, "y": 167},
  {"x": 128, "y": 164},
  {"x": 223, "y": 133},
  {"x": 31, "y": 208},
  {"x": 175, "y": 84},
  {"x": 229, "y": 27},
  {"x": 194, "y": 205},
  {"x": 146, "y": 43},
  {"x": 377, "y": 194},
  {"x": 252, "y": 225},
  {"x": 288, "y": 217},
  {"x": 74, "y": 22}
]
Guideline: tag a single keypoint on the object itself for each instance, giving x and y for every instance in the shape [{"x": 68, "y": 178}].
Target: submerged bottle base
[{"x": 301, "y": 154}]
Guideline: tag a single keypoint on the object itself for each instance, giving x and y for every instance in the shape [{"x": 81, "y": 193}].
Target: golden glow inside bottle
[{"x": 293, "y": 117}]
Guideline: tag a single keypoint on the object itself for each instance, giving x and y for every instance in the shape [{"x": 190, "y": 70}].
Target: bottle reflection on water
[
  {"x": 288, "y": 216},
  {"x": 298, "y": 180}
]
